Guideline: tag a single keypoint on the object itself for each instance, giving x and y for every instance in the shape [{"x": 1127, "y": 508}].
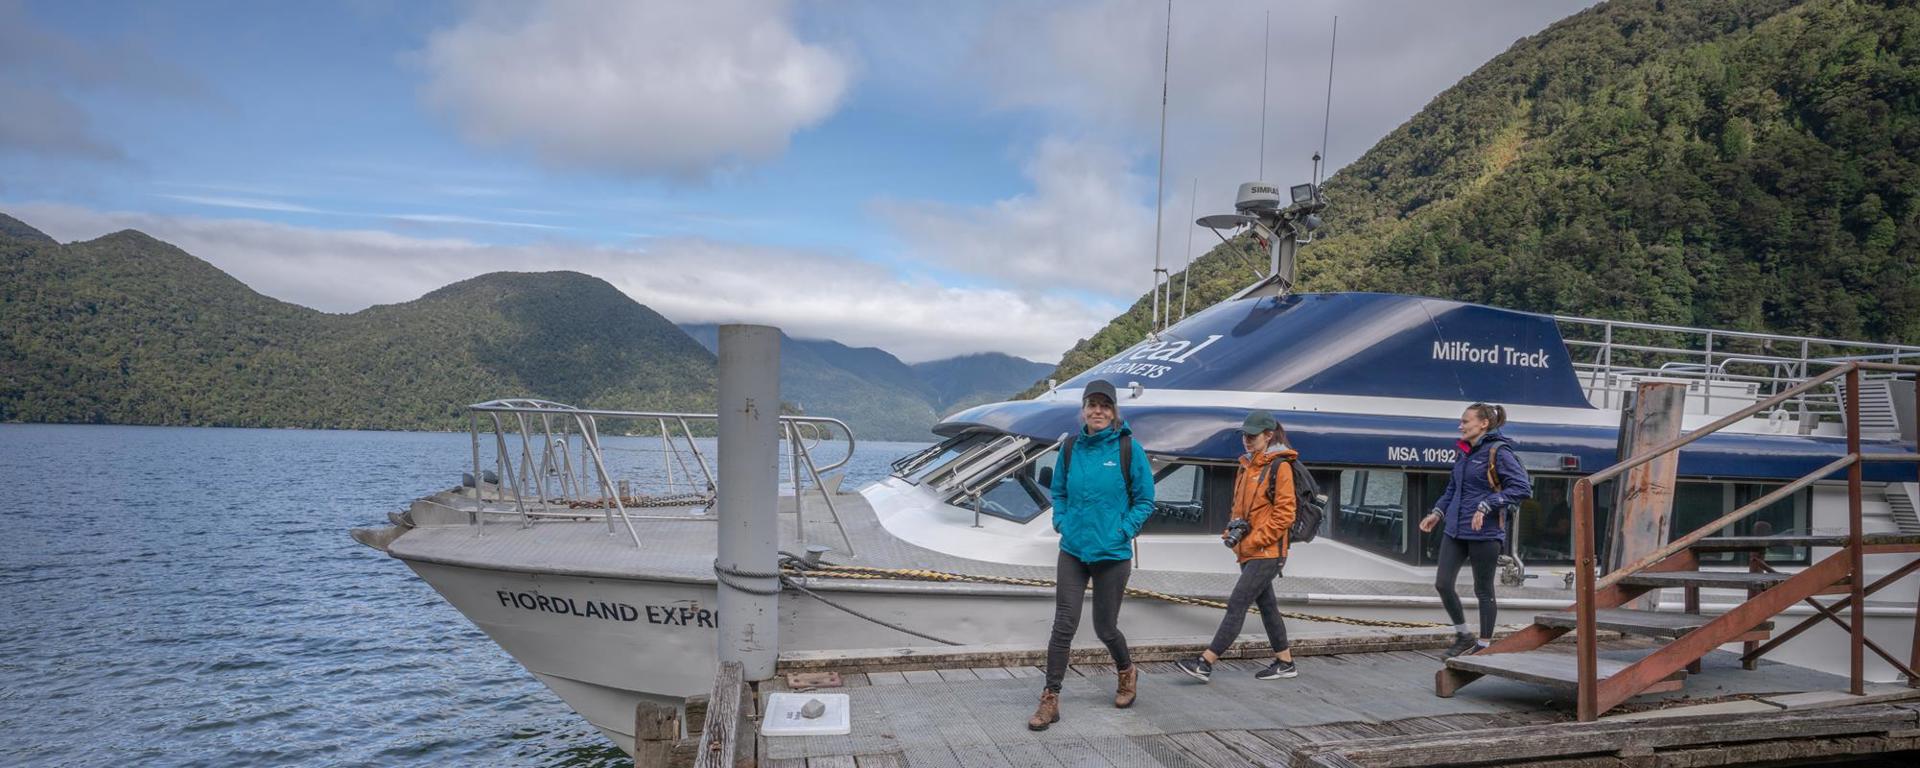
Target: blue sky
[{"x": 930, "y": 179}]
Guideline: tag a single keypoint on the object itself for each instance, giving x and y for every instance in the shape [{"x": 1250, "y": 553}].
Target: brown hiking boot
[
  {"x": 1129, "y": 687},
  {"x": 1047, "y": 714}
]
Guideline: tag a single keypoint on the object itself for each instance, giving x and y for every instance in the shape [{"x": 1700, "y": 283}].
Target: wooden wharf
[{"x": 1362, "y": 698}]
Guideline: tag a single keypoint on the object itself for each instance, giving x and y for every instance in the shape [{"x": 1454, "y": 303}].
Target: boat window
[
  {"x": 1191, "y": 498},
  {"x": 1697, "y": 503},
  {"x": 1543, "y": 530},
  {"x": 1372, "y": 510},
  {"x": 941, "y": 455},
  {"x": 1015, "y": 497}
]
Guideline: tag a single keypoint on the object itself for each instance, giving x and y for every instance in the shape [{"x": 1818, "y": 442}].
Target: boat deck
[
  {"x": 678, "y": 546},
  {"x": 968, "y": 709}
]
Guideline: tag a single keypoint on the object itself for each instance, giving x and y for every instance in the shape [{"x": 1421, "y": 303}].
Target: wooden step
[
  {"x": 1550, "y": 668},
  {"x": 1754, "y": 543},
  {"x": 1642, "y": 623},
  {"x": 1722, "y": 580}
]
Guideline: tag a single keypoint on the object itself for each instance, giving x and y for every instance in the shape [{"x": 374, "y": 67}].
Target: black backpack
[
  {"x": 1067, "y": 439},
  {"x": 1309, "y": 506}
]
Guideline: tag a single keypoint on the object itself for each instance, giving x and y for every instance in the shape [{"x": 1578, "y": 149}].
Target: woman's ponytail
[{"x": 1494, "y": 415}]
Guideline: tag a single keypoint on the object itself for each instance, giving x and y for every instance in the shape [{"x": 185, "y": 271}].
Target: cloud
[
  {"x": 1091, "y": 71},
  {"x": 635, "y": 88},
  {"x": 42, "y": 73},
  {"x": 1083, "y": 226},
  {"x": 810, "y": 294}
]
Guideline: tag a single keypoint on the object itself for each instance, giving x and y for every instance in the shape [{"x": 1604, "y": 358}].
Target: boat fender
[{"x": 487, "y": 476}]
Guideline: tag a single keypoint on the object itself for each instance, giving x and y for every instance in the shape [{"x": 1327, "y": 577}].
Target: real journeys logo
[{"x": 1152, "y": 359}]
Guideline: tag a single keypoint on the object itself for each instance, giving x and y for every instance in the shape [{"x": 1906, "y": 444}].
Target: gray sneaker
[
  {"x": 1278, "y": 670},
  {"x": 1464, "y": 643},
  {"x": 1197, "y": 668}
]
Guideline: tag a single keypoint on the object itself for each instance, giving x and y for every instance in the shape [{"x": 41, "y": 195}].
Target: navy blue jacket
[{"x": 1468, "y": 487}]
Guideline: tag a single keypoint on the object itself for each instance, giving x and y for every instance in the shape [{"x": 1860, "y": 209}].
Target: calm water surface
[{"x": 174, "y": 596}]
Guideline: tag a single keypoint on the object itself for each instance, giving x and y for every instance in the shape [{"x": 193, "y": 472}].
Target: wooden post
[
  {"x": 1856, "y": 574},
  {"x": 1693, "y": 609},
  {"x": 1588, "y": 646},
  {"x": 655, "y": 728},
  {"x": 720, "y": 736},
  {"x": 1645, "y": 506}
]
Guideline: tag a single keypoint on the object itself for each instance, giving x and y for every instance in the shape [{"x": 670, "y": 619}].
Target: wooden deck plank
[
  {"x": 886, "y": 678},
  {"x": 957, "y": 675},
  {"x": 1026, "y": 672},
  {"x": 832, "y": 761},
  {"x": 992, "y": 673},
  {"x": 1256, "y": 750},
  {"x": 1210, "y": 751},
  {"x": 782, "y": 762},
  {"x": 922, "y": 676},
  {"x": 888, "y": 760},
  {"x": 1633, "y": 622},
  {"x": 1168, "y": 752},
  {"x": 1075, "y": 753}
]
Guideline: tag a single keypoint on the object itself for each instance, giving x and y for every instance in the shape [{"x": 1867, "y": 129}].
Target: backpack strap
[
  {"x": 1066, "y": 456},
  {"x": 1493, "y": 477},
  {"x": 1271, "y": 479}
]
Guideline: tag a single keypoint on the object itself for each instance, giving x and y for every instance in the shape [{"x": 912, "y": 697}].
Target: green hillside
[
  {"x": 1746, "y": 165},
  {"x": 127, "y": 329},
  {"x": 962, "y": 382}
]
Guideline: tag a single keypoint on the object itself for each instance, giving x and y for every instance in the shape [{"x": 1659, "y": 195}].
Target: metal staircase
[{"x": 1601, "y": 684}]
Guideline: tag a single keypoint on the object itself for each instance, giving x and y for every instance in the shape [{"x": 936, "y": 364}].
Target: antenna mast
[
  {"x": 1327, "y": 120},
  {"x": 1159, "y": 183},
  {"x": 1186, "y": 274},
  {"x": 1267, "y": 32}
]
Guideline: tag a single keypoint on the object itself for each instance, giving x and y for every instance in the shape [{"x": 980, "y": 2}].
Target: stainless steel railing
[
  {"x": 1725, "y": 370},
  {"x": 553, "y": 460}
]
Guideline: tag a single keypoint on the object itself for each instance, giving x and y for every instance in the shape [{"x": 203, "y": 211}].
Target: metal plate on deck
[{"x": 802, "y": 680}]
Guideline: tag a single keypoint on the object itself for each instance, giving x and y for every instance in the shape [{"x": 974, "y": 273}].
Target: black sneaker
[
  {"x": 1199, "y": 669},
  {"x": 1278, "y": 670},
  {"x": 1464, "y": 644}
]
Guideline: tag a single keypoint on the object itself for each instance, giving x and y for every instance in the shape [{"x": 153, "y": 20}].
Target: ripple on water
[{"x": 209, "y": 609}]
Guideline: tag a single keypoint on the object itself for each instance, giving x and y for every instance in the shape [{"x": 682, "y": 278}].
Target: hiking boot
[
  {"x": 1047, "y": 714},
  {"x": 1278, "y": 670},
  {"x": 1129, "y": 687},
  {"x": 1464, "y": 644},
  {"x": 1197, "y": 668}
]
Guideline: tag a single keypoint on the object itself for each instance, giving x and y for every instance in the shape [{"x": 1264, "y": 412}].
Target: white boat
[{"x": 600, "y": 580}]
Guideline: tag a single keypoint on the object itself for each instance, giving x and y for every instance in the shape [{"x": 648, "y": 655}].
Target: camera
[{"x": 1237, "y": 530}]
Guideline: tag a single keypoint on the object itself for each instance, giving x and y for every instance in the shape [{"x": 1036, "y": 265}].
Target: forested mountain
[
  {"x": 963, "y": 382},
  {"x": 881, "y": 397},
  {"x": 127, "y": 329},
  {"x": 1744, "y": 164}
]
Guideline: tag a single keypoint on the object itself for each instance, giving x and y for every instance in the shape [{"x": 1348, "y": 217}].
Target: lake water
[{"x": 177, "y": 596}]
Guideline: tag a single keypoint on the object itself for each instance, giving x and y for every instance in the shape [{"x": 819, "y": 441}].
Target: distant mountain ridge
[
  {"x": 1741, "y": 164},
  {"x": 880, "y": 396},
  {"x": 128, "y": 329}
]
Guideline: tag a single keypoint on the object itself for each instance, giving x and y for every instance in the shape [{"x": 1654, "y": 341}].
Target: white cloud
[
  {"x": 808, "y": 293},
  {"x": 1091, "y": 70},
  {"x": 633, "y": 87},
  {"x": 1083, "y": 226}
]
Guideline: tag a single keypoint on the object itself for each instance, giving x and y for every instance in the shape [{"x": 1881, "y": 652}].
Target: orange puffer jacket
[{"x": 1270, "y": 519}]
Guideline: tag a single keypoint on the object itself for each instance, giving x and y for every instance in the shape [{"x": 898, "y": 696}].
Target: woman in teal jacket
[{"x": 1100, "y": 500}]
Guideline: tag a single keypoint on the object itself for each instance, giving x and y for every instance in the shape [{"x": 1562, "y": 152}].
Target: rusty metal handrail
[{"x": 1586, "y": 585}]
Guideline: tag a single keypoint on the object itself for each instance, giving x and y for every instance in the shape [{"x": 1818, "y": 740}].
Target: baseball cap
[
  {"x": 1100, "y": 387},
  {"x": 1258, "y": 422}
]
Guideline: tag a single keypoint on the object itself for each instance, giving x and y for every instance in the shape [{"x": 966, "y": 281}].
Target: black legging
[
  {"x": 1485, "y": 557},
  {"x": 1109, "y": 579},
  {"x": 1255, "y": 586}
]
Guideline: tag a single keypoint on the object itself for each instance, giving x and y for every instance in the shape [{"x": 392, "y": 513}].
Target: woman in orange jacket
[{"x": 1263, "y": 510}]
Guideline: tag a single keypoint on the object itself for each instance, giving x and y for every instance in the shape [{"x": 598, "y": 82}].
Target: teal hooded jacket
[{"x": 1095, "y": 519}]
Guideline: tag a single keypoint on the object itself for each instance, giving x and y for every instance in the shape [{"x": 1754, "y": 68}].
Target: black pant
[
  {"x": 1255, "y": 586},
  {"x": 1109, "y": 579},
  {"x": 1485, "y": 557}
]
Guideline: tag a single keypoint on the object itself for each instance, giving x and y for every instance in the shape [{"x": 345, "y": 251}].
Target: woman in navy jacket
[{"x": 1470, "y": 515}]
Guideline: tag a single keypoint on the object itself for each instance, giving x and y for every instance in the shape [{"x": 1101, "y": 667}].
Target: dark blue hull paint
[{"x": 1368, "y": 440}]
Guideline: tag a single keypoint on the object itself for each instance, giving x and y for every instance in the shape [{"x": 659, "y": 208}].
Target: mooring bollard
[{"x": 749, "y": 584}]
